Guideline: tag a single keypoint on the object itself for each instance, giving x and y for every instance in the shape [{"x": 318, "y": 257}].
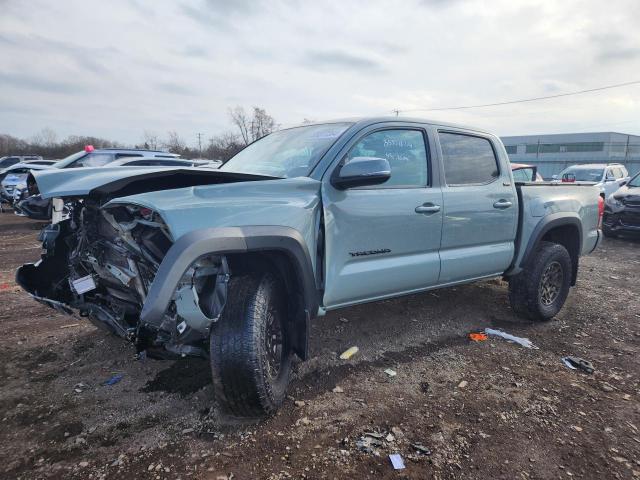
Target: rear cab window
[{"x": 468, "y": 159}]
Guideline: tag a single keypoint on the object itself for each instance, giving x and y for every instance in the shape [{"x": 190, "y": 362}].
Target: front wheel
[
  {"x": 540, "y": 290},
  {"x": 250, "y": 352}
]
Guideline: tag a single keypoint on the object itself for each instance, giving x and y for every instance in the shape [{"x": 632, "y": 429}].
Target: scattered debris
[
  {"x": 463, "y": 384},
  {"x": 605, "y": 387},
  {"x": 576, "y": 428},
  {"x": 299, "y": 403},
  {"x": 80, "y": 387},
  {"x": 576, "y": 363},
  {"x": 350, "y": 352},
  {"x": 390, "y": 372},
  {"x": 344, "y": 320},
  {"x": 113, "y": 380},
  {"x": 478, "y": 336},
  {"x": 369, "y": 441},
  {"x": 70, "y": 325},
  {"x": 186, "y": 431},
  {"x": 337, "y": 389},
  {"x": 421, "y": 448},
  {"x": 525, "y": 342},
  {"x": 390, "y": 438},
  {"x": 396, "y": 461}
]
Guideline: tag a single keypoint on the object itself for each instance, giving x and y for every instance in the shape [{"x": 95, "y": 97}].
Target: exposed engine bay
[{"x": 100, "y": 263}]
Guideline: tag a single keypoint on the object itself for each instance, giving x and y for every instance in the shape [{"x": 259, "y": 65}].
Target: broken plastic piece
[
  {"x": 525, "y": 342},
  {"x": 113, "y": 380},
  {"x": 421, "y": 448},
  {"x": 396, "y": 461},
  {"x": 575, "y": 363},
  {"x": 478, "y": 337},
  {"x": 350, "y": 352},
  {"x": 391, "y": 373}
]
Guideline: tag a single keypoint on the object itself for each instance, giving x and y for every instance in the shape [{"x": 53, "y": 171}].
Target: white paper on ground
[
  {"x": 396, "y": 461},
  {"x": 525, "y": 342}
]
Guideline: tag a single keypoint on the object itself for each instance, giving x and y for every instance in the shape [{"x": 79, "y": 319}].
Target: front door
[{"x": 383, "y": 240}]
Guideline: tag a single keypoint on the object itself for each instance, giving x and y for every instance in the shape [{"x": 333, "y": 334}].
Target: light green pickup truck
[{"x": 233, "y": 264}]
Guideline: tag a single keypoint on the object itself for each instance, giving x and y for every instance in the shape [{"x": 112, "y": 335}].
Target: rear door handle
[
  {"x": 428, "y": 208},
  {"x": 502, "y": 204}
]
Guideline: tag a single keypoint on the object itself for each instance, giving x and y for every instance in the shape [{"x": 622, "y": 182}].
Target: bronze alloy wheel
[{"x": 551, "y": 283}]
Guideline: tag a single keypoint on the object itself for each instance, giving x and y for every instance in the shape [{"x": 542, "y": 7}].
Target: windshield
[
  {"x": 583, "y": 174},
  {"x": 635, "y": 181},
  {"x": 287, "y": 153},
  {"x": 70, "y": 159}
]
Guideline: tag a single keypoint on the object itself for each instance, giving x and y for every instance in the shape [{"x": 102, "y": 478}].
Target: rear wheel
[
  {"x": 250, "y": 352},
  {"x": 540, "y": 290}
]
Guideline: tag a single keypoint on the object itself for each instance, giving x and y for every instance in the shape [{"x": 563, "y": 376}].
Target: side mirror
[
  {"x": 623, "y": 183},
  {"x": 362, "y": 171}
]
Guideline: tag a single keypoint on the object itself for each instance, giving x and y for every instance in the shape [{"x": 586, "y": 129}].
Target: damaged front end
[{"x": 101, "y": 261}]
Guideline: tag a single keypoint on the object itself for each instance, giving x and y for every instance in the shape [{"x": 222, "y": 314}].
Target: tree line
[{"x": 246, "y": 127}]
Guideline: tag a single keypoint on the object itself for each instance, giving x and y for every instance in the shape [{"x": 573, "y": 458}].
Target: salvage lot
[{"x": 484, "y": 410}]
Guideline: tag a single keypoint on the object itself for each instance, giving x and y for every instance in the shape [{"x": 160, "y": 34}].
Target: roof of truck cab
[{"x": 364, "y": 121}]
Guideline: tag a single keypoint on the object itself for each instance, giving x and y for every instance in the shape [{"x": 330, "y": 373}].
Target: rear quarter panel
[{"x": 543, "y": 202}]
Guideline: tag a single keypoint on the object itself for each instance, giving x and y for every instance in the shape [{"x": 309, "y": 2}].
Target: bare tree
[
  {"x": 46, "y": 138},
  {"x": 151, "y": 140},
  {"x": 251, "y": 129},
  {"x": 261, "y": 124},
  {"x": 242, "y": 123},
  {"x": 224, "y": 146},
  {"x": 174, "y": 143}
]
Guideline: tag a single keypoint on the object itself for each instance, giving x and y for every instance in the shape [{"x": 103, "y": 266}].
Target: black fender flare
[
  {"x": 545, "y": 225},
  {"x": 226, "y": 240}
]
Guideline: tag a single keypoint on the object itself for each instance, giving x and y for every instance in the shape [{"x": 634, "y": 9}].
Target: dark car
[
  {"x": 26, "y": 203},
  {"x": 622, "y": 210},
  {"x": 13, "y": 159}
]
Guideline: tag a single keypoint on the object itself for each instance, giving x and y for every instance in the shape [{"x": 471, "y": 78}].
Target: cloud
[
  {"x": 614, "y": 47},
  {"x": 23, "y": 81},
  {"x": 219, "y": 13},
  {"x": 175, "y": 88},
  {"x": 160, "y": 66},
  {"x": 336, "y": 59}
]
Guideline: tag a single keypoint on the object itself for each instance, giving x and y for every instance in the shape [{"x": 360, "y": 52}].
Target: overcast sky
[{"x": 115, "y": 69}]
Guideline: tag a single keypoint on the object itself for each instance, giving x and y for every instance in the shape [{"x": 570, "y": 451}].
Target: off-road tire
[
  {"x": 525, "y": 293},
  {"x": 243, "y": 381}
]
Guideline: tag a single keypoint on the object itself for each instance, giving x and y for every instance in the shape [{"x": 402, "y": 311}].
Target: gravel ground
[{"x": 480, "y": 410}]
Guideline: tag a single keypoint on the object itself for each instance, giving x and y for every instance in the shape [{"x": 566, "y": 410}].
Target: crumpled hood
[
  {"x": 291, "y": 202},
  {"x": 109, "y": 181}
]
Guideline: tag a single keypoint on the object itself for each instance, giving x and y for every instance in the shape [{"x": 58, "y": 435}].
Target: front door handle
[
  {"x": 428, "y": 208},
  {"x": 502, "y": 204}
]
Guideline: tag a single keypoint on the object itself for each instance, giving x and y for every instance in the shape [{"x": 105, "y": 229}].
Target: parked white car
[{"x": 609, "y": 177}]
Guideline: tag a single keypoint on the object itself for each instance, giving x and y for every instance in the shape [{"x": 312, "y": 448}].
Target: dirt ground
[{"x": 482, "y": 410}]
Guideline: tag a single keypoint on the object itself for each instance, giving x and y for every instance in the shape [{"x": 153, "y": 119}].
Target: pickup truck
[{"x": 232, "y": 264}]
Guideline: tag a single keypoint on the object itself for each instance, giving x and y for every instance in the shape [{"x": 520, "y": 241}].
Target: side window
[
  {"x": 95, "y": 160},
  {"x": 127, "y": 155},
  {"x": 523, "y": 175},
  {"x": 404, "y": 150},
  {"x": 617, "y": 172},
  {"x": 467, "y": 159}
]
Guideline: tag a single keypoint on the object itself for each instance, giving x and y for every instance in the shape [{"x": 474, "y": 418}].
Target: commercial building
[{"x": 553, "y": 153}]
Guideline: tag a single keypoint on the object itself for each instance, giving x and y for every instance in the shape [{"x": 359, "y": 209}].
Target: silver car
[
  {"x": 14, "y": 175},
  {"x": 608, "y": 177}
]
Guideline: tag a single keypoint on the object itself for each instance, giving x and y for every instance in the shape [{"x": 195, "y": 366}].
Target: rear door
[
  {"x": 383, "y": 240},
  {"x": 480, "y": 207}
]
